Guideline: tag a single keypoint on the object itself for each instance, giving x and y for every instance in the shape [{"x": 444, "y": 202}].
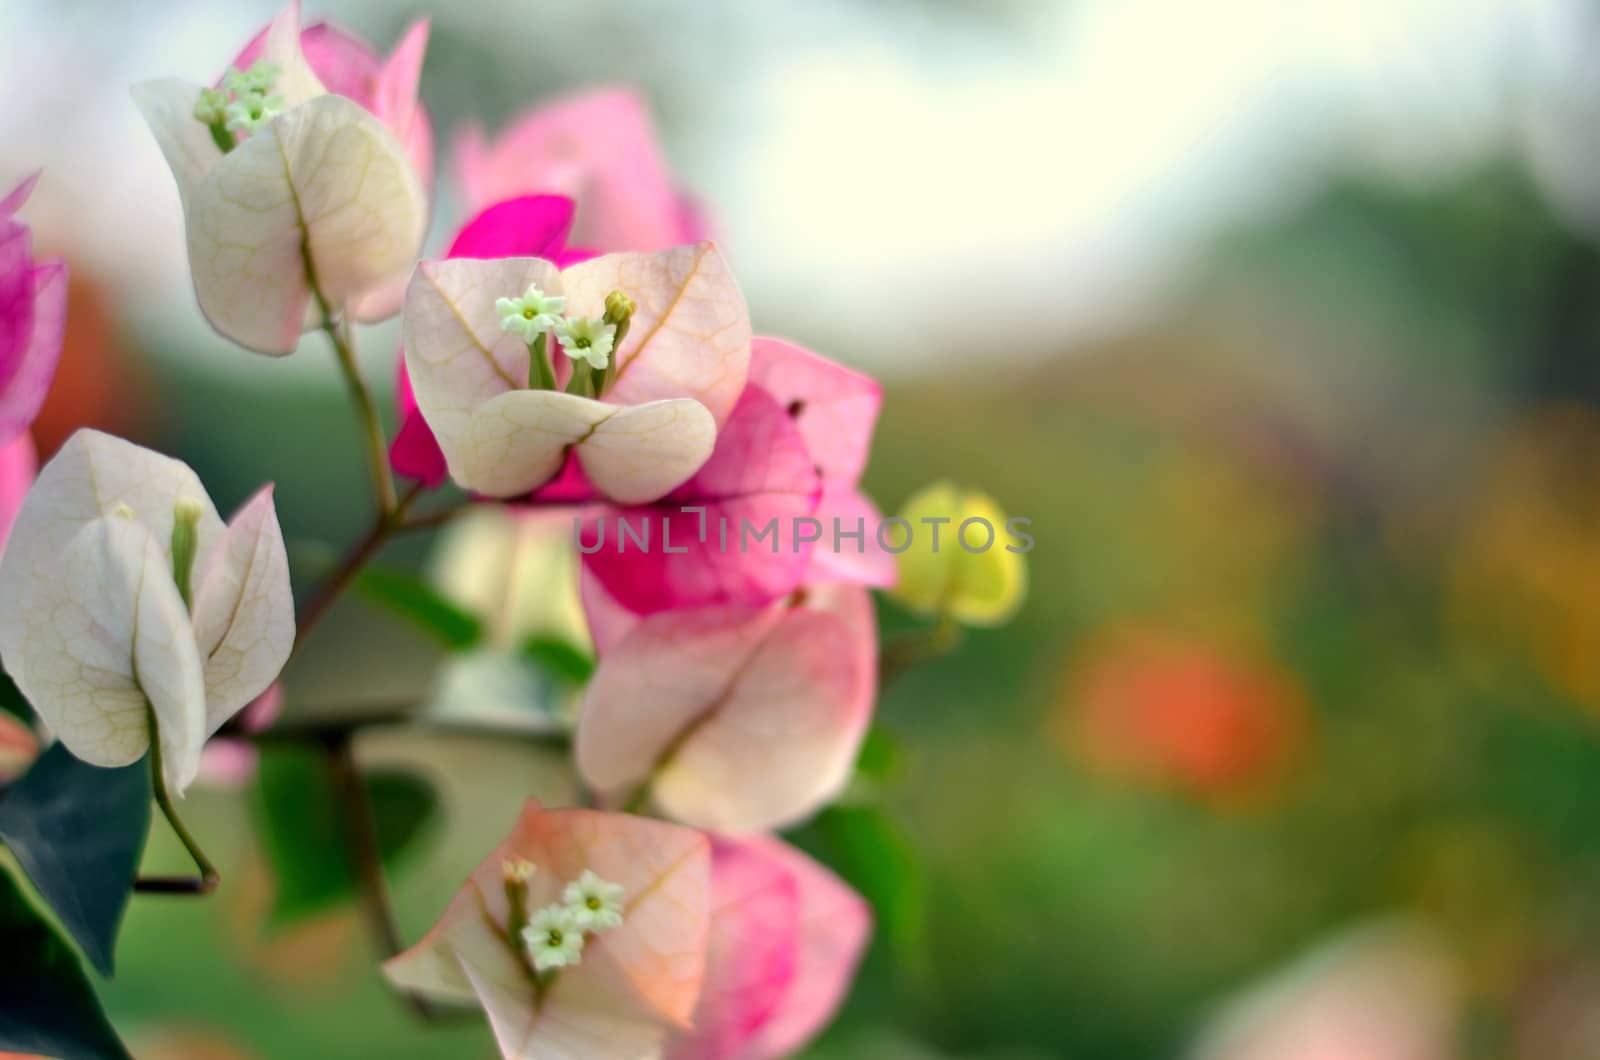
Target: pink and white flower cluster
[
  {"x": 733, "y": 688},
  {"x": 582, "y": 347}
]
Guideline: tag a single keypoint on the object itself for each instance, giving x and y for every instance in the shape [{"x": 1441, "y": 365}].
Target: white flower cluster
[
  {"x": 245, "y": 101},
  {"x": 554, "y": 935},
  {"x": 537, "y": 313}
]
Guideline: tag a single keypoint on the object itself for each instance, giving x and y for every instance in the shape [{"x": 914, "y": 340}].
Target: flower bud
[{"x": 185, "y": 539}]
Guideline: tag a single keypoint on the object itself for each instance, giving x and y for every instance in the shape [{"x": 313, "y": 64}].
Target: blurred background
[{"x": 1280, "y": 322}]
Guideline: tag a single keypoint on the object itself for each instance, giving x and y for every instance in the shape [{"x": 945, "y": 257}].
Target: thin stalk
[
  {"x": 377, "y": 445},
  {"x": 915, "y": 648},
  {"x": 335, "y": 584},
  {"x": 366, "y": 859},
  {"x": 208, "y": 879}
]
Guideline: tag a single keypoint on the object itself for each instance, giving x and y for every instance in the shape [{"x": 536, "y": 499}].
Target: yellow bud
[
  {"x": 959, "y": 556},
  {"x": 619, "y": 308}
]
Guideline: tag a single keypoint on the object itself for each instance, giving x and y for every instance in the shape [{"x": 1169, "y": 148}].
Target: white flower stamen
[
  {"x": 256, "y": 81},
  {"x": 249, "y": 112},
  {"x": 531, "y": 315},
  {"x": 211, "y": 107},
  {"x": 587, "y": 339},
  {"x": 595, "y": 903},
  {"x": 553, "y": 938}
]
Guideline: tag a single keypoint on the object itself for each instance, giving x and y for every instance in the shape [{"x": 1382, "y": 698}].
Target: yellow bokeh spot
[{"x": 975, "y": 576}]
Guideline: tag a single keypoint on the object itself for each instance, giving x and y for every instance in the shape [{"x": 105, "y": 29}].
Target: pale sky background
[{"x": 909, "y": 180}]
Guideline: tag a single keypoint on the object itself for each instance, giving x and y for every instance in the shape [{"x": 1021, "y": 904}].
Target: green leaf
[
  {"x": 560, "y": 658},
  {"x": 47, "y": 1005},
  {"x": 882, "y": 756},
  {"x": 408, "y": 596},
  {"x": 302, "y": 827},
  {"x": 12, "y": 700},
  {"x": 77, "y": 831},
  {"x": 871, "y": 853}
]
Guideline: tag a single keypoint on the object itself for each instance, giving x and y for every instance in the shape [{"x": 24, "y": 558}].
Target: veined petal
[
  {"x": 843, "y": 511},
  {"x": 107, "y": 641},
  {"x": 690, "y": 334},
  {"x": 730, "y": 528},
  {"x": 753, "y": 956},
  {"x": 92, "y": 475},
  {"x": 31, "y": 374},
  {"x": 746, "y": 718},
  {"x": 646, "y": 450},
  {"x": 323, "y": 182},
  {"x": 243, "y": 610},
  {"x": 457, "y": 357},
  {"x": 168, "y": 108},
  {"x": 636, "y": 980},
  {"x": 835, "y": 923},
  {"x": 71, "y": 601},
  {"x": 598, "y": 147},
  {"x": 836, "y": 408},
  {"x": 395, "y": 99},
  {"x": 529, "y": 226},
  {"x": 518, "y": 441},
  {"x": 297, "y": 82}
]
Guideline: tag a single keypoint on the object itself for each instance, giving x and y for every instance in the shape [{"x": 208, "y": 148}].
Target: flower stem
[
  {"x": 366, "y": 860},
  {"x": 329, "y": 591},
  {"x": 208, "y": 879},
  {"x": 916, "y": 648},
  {"x": 367, "y": 412}
]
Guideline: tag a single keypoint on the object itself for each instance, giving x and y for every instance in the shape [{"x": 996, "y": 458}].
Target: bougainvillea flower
[
  {"x": 740, "y": 719},
  {"x": 599, "y": 148},
  {"x": 33, "y": 317},
  {"x": 18, "y": 465},
  {"x": 350, "y": 67},
  {"x": 759, "y": 473},
  {"x": 631, "y": 985},
  {"x": 530, "y": 226},
  {"x": 127, "y": 604},
  {"x": 317, "y": 208},
  {"x": 980, "y": 585},
  {"x": 677, "y": 374},
  {"x": 792, "y": 453},
  {"x": 786, "y": 935}
]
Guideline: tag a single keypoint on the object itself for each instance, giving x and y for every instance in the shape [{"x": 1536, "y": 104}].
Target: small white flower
[
  {"x": 210, "y": 107},
  {"x": 532, "y": 314},
  {"x": 250, "y": 112},
  {"x": 258, "y": 80},
  {"x": 595, "y": 904},
  {"x": 553, "y": 938},
  {"x": 587, "y": 339}
]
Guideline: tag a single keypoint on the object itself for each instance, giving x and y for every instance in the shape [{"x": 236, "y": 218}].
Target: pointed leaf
[
  {"x": 47, "y": 1006},
  {"x": 301, "y": 828},
  {"x": 77, "y": 831},
  {"x": 409, "y": 596}
]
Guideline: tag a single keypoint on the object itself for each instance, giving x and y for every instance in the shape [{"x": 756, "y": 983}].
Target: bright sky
[{"x": 893, "y": 178}]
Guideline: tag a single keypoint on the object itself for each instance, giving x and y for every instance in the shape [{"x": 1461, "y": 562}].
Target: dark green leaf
[
  {"x": 78, "y": 830},
  {"x": 413, "y": 599},
  {"x": 47, "y": 1005},
  {"x": 302, "y": 827},
  {"x": 560, "y": 659},
  {"x": 872, "y": 854},
  {"x": 11, "y": 699}
]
